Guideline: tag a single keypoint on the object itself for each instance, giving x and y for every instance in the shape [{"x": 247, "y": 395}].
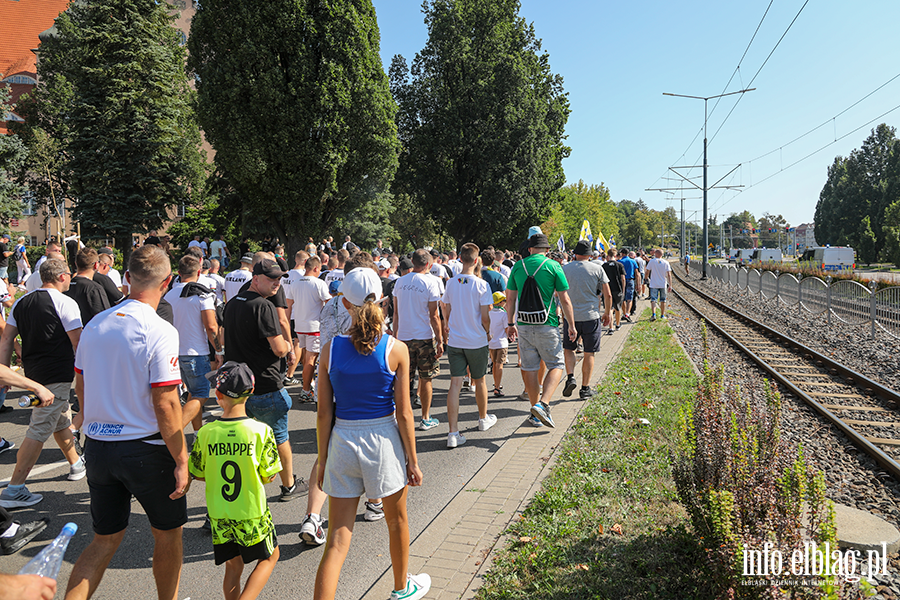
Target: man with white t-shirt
[
  {"x": 293, "y": 275},
  {"x": 50, "y": 325},
  {"x": 660, "y": 280},
  {"x": 219, "y": 251},
  {"x": 306, "y": 297},
  {"x": 235, "y": 280},
  {"x": 213, "y": 274},
  {"x": 194, "y": 312},
  {"x": 454, "y": 263},
  {"x": 337, "y": 273},
  {"x": 126, "y": 380},
  {"x": 34, "y": 282},
  {"x": 416, "y": 322},
  {"x": 467, "y": 304}
]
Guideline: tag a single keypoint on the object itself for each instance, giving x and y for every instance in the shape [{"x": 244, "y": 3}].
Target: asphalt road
[{"x": 446, "y": 473}]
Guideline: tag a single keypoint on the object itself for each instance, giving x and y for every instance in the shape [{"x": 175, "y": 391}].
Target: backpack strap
[{"x": 536, "y": 270}]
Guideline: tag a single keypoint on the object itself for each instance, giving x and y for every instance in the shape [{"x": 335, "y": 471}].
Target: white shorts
[
  {"x": 365, "y": 456},
  {"x": 310, "y": 343}
]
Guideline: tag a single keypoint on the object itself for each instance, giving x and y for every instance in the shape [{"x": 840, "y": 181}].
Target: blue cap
[
  {"x": 334, "y": 287},
  {"x": 534, "y": 230},
  {"x": 70, "y": 528}
]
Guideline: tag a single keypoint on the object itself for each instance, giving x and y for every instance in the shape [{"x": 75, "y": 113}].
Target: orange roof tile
[{"x": 22, "y": 21}]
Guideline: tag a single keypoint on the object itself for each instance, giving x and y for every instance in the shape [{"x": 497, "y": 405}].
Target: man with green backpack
[{"x": 533, "y": 281}]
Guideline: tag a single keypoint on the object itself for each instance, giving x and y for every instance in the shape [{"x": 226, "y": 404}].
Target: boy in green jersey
[{"x": 236, "y": 455}]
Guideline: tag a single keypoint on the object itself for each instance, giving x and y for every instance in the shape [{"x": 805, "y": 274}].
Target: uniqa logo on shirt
[{"x": 105, "y": 429}]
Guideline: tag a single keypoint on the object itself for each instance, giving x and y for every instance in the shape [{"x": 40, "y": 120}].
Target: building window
[
  {"x": 28, "y": 204},
  {"x": 182, "y": 38},
  {"x": 180, "y": 210},
  {"x": 22, "y": 79},
  {"x": 34, "y": 240}
]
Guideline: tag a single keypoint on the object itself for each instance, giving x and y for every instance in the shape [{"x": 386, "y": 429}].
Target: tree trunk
[{"x": 123, "y": 243}]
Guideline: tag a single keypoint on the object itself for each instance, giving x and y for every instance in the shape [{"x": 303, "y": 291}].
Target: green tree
[
  {"x": 131, "y": 142},
  {"x": 864, "y": 184},
  {"x": 891, "y": 230},
  {"x": 576, "y": 203},
  {"x": 294, "y": 99},
  {"x": 12, "y": 158},
  {"x": 866, "y": 242},
  {"x": 370, "y": 222},
  {"x": 482, "y": 121}
]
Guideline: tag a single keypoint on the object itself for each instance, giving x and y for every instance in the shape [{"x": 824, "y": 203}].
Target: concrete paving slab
[{"x": 864, "y": 531}]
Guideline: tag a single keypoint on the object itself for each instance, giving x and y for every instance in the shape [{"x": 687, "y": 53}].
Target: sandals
[{"x": 498, "y": 392}]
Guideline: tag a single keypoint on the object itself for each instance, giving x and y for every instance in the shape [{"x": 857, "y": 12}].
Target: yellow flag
[{"x": 586, "y": 232}]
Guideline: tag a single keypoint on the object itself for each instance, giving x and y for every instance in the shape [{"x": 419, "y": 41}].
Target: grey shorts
[
  {"x": 47, "y": 420},
  {"x": 365, "y": 456},
  {"x": 540, "y": 342}
]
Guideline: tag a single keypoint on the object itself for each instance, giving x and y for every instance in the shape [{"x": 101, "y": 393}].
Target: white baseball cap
[{"x": 359, "y": 284}]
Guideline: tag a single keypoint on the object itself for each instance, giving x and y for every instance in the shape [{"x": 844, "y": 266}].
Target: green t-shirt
[
  {"x": 235, "y": 456},
  {"x": 550, "y": 278}
]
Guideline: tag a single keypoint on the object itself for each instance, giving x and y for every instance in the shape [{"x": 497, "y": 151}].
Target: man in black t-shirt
[
  {"x": 5, "y": 253},
  {"x": 50, "y": 326},
  {"x": 616, "y": 274},
  {"x": 254, "y": 335},
  {"x": 90, "y": 295}
]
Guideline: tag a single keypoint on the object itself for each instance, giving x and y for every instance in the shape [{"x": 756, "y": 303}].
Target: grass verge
[{"x": 606, "y": 523}]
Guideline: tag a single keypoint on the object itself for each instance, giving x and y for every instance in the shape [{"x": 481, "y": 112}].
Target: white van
[
  {"x": 766, "y": 255},
  {"x": 743, "y": 256},
  {"x": 828, "y": 258}
]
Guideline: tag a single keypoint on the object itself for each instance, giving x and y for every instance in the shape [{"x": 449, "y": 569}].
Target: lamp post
[{"x": 706, "y": 100}]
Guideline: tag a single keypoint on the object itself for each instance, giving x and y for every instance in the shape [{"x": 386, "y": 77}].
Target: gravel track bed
[
  {"x": 851, "y": 476},
  {"x": 850, "y": 345}
]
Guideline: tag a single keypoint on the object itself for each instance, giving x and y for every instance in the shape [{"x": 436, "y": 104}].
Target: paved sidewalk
[{"x": 457, "y": 547}]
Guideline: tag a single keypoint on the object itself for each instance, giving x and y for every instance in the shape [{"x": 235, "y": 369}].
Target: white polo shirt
[{"x": 123, "y": 353}]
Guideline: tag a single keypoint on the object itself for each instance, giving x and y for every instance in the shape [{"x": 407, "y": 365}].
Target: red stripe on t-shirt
[
  {"x": 79, "y": 371},
  {"x": 312, "y": 333},
  {"x": 165, "y": 383}
]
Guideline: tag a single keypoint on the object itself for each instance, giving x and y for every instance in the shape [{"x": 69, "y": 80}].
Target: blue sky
[{"x": 617, "y": 59}]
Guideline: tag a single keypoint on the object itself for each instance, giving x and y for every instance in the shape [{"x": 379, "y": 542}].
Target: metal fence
[{"x": 844, "y": 301}]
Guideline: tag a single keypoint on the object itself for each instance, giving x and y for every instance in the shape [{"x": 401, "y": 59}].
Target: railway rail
[{"x": 867, "y": 412}]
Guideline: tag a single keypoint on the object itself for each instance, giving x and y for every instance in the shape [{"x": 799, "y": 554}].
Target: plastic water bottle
[{"x": 49, "y": 560}]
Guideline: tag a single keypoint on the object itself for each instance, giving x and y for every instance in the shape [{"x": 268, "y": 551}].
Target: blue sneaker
[
  {"x": 542, "y": 412},
  {"x": 532, "y": 420},
  {"x": 427, "y": 424}
]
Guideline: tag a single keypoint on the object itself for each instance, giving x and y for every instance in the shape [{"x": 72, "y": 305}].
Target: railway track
[{"x": 867, "y": 412}]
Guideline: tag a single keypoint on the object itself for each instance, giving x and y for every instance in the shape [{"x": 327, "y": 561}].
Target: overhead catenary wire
[
  {"x": 814, "y": 152},
  {"x": 778, "y": 43},
  {"x": 736, "y": 70}
]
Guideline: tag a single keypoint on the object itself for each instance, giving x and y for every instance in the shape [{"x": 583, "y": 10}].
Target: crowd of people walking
[{"x": 360, "y": 334}]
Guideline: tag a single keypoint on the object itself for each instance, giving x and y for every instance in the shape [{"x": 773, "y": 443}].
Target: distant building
[
  {"x": 24, "y": 23},
  {"x": 805, "y": 236}
]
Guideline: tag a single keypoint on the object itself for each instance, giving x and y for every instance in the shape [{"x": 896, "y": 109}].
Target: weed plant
[{"x": 744, "y": 487}]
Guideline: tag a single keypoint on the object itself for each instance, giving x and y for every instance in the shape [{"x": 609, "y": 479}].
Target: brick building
[{"x": 23, "y": 23}]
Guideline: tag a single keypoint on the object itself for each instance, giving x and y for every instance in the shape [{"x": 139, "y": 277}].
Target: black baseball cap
[
  {"x": 233, "y": 379},
  {"x": 405, "y": 264},
  {"x": 269, "y": 268}
]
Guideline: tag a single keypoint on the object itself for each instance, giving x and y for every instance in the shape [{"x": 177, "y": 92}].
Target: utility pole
[{"x": 706, "y": 187}]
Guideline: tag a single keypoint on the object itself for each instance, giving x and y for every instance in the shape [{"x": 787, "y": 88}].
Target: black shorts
[
  {"x": 116, "y": 471},
  {"x": 590, "y": 333},
  {"x": 293, "y": 331},
  {"x": 261, "y": 551}
]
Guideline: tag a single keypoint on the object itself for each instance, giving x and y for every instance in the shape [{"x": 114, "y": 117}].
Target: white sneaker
[
  {"x": 374, "y": 512},
  {"x": 416, "y": 587},
  {"x": 455, "y": 439},
  {"x": 487, "y": 422},
  {"x": 312, "y": 532},
  {"x": 77, "y": 471}
]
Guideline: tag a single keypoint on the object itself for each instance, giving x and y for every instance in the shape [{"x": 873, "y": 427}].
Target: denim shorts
[
  {"x": 629, "y": 290},
  {"x": 193, "y": 374},
  {"x": 272, "y": 409},
  {"x": 540, "y": 342},
  {"x": 657, "y": 293},
  {"x": 4, "y": 272}
]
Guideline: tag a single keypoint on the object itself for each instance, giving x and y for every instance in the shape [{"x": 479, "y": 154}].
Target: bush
[{"x": 743, "y": 487}]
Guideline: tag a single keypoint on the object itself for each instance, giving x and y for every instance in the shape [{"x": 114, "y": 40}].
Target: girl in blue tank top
[{"x": 366, "y": 437}]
